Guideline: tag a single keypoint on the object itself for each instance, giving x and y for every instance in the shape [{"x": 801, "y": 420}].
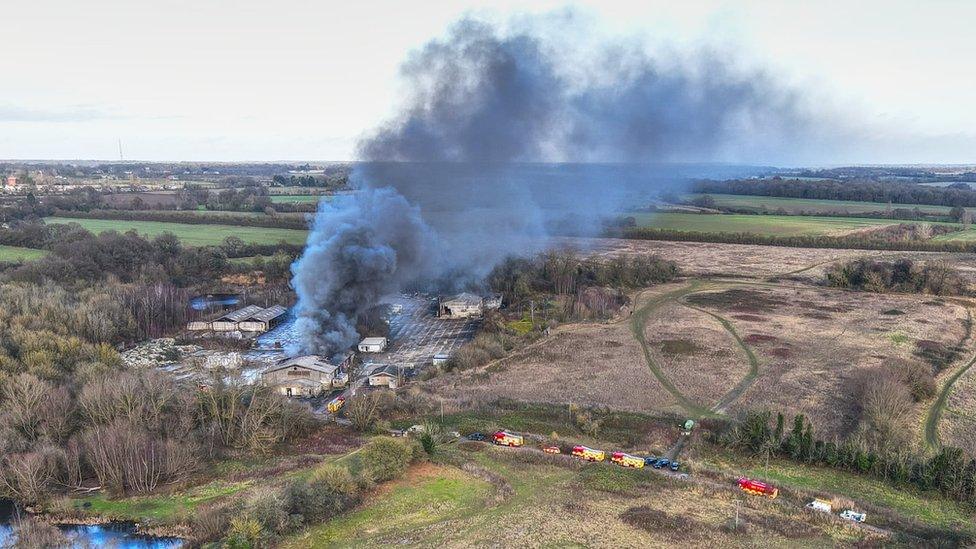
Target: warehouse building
[
  {"x": 302, "y": 376},
  {"x": 229, "y": 321},
  {"x": 463, "y": 305},
  {"x": 263, "y": 320}
]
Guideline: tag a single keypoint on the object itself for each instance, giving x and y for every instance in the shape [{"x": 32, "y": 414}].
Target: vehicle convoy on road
[
  {"x": 757, "y": 488},
  {"x": 623, "y": 459}
]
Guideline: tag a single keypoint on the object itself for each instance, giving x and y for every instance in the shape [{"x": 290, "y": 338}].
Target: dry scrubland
[
  {"x": 958, "y": 425},
  {"x": 588, "y": 364},
  {"x": 750, "y": 261},
  {"x": 813, "y": 344}
]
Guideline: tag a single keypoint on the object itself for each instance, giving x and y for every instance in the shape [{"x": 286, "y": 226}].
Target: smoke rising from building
[{"x": 464, "y": 175}]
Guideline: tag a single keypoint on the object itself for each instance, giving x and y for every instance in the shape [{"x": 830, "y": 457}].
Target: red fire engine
[{"x": 757, "y": 488}]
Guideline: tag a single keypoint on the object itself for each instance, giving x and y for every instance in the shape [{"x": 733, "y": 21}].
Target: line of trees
[
  {"x": 949, "y": 471},
  {"x": 271, "y": 220},
  {"x": 858, "y": 190},
  {"x": 873, "y": 240},
  {"x": 565, "y": 273}
]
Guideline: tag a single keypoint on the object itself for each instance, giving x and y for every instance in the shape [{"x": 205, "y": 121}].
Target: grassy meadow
[
  {"x": 13, "y": 254},
  {"x": 296, "y": 198},
  {"x": 812, "y": 205},
  {"x": 191, "y": 235},
  {"x": 772, "y": 225}
]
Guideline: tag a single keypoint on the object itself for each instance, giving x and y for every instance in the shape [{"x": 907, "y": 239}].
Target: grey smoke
[{"x": 462, "y": 176}]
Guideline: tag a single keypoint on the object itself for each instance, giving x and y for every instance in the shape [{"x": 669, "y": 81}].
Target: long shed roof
[
  {"x": 265, "y": 315},
  {"x": 241, "y": 314}
]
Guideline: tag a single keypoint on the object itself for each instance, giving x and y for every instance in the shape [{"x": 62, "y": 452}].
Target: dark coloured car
[
  {"x": 480, "y": 437},
  {"x": 663, "y": 462},
  {"x": 675, "y": 465},
  {"x": 649, "y": 460}
]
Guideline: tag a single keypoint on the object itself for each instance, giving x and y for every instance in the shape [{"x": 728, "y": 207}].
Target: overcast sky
[{"x": 301, "y": 80}]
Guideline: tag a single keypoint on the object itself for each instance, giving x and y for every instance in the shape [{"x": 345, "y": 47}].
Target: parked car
[
  {"x": 663, "y": 462},
  {"x": 675, "y": 466},
  {"x": 649, "y": 460},
  {"x": 480, "y": 437}
]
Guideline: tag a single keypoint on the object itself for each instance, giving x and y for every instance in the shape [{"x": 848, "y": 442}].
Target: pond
[
  {"x": 121, "y": 535},
  {"x": 214, "y": 301}
]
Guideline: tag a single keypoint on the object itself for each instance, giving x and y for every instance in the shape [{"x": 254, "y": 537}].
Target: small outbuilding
[
  {"x": 387, "y": 376},
  {"x": 373, "y": 345},
  {"x": 440, "y": 359},
  {"x": 463, "y": 305}
]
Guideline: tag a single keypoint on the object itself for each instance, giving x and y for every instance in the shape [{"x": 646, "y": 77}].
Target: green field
[
  {"x": 772, "y": 225},
  {"x": 191, "y": 235},
  {"x": 810, "y": 205},
  {"x": 296, "y": 198},
  {"x": 928, "y": 508},
  {"x": 13, "y": 254},
  {"x": 969, "y": 235}
]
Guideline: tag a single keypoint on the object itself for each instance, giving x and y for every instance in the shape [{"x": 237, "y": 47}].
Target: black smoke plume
[{"x": 507, "y": 133}]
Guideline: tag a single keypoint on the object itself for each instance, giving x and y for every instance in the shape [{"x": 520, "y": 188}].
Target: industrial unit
[
  {"x": 373, "y": 345},
  {"x": 463, "y": 305},
  {"x": 304, "y": 376},
  {"x": 250, "y": 319}
]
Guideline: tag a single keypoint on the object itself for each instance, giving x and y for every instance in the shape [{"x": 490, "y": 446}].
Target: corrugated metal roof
[
  {"x": 240, "y": 314},
  {"x": 464, "y": 297},
  {"x": 265, "y": 315},
  {"x": 310, "y": 362}
]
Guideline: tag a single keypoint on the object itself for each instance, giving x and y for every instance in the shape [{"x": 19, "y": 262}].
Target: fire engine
[
  {"x": 627, "y": 460},
  {"x": 589, "y": 454},
  {"x": 336, "y": 404},
  {"x": 504, "y": 438},
  {"x": 757, "y": 488}
]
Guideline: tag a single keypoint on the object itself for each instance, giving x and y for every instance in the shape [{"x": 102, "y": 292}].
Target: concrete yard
[{"x": 416, "y": 334}]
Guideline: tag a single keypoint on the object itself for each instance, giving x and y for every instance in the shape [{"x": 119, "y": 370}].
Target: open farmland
[
  {"x": 813, "y": 205},
  {"x": 14, "y": 253},
  {"x": 191, "y": 235},
  {"x": 772, "y": 225}
]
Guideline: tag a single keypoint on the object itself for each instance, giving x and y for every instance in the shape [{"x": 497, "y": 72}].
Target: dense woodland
[{"x": 959, "y": 194}]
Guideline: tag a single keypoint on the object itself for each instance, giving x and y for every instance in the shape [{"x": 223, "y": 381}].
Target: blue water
[
  {"x": 202, "y": 302},
  {"x": 119, "y": 535}
]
